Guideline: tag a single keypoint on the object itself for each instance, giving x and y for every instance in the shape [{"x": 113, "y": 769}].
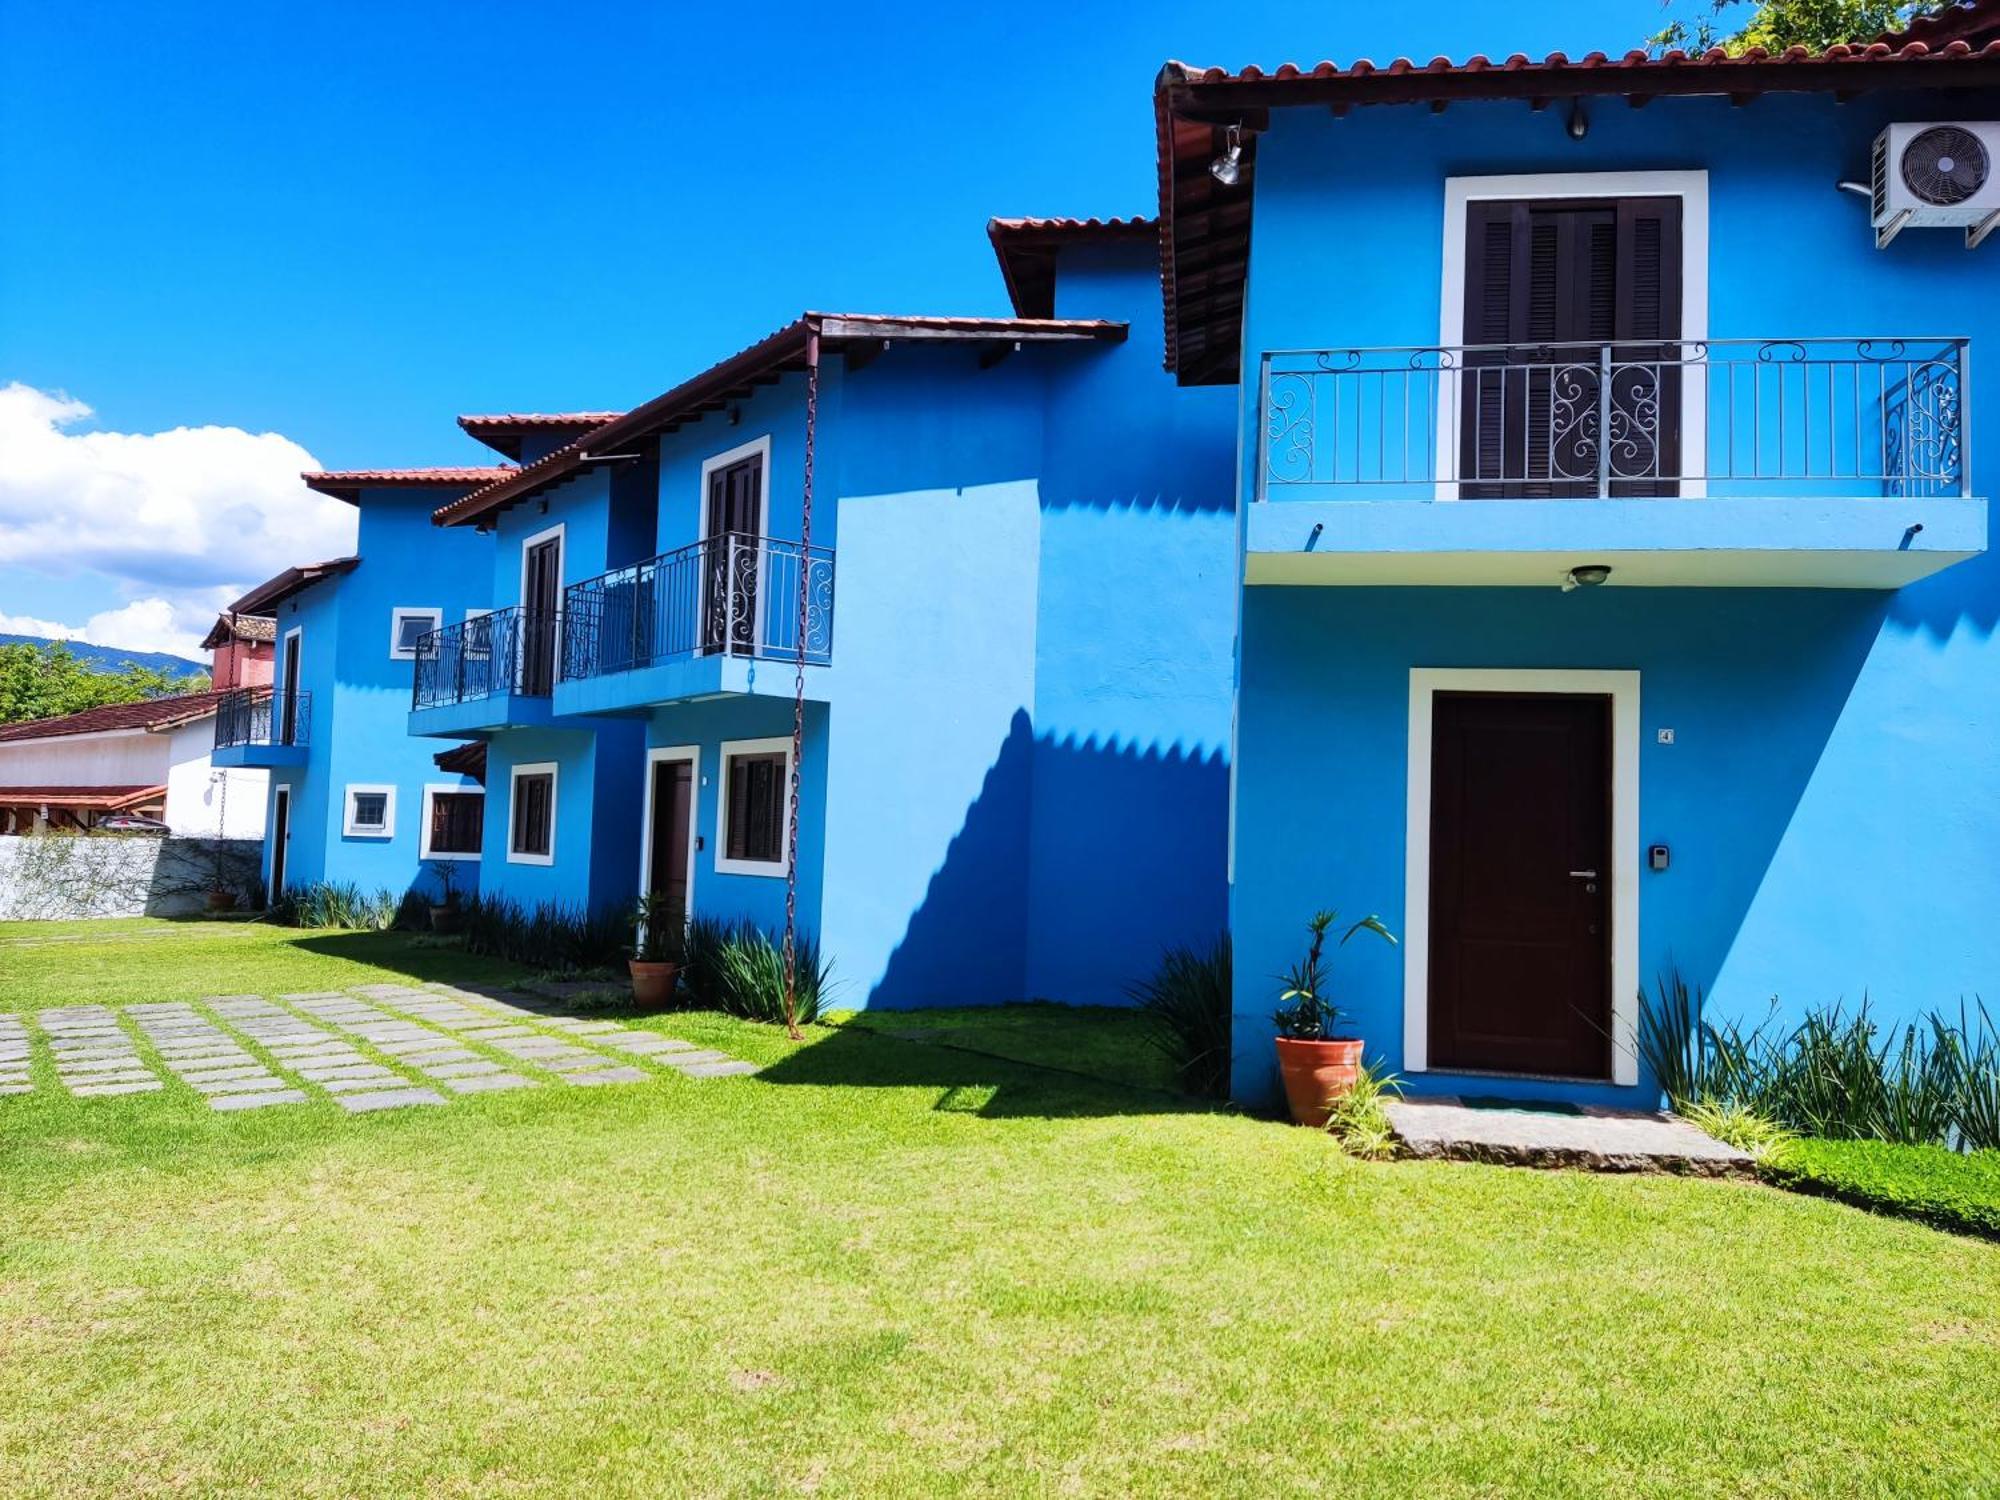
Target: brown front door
[
  {"x": 1520, "y": 944},
  {"x": 734, "y": 499},
  {"x": 281, "y": 838},
  {"x": 539, "y": 596},
  {"x": 673, "y": 827}
]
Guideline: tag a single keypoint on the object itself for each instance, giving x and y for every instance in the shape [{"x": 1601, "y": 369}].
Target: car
[{"x": 129, "y": 823}]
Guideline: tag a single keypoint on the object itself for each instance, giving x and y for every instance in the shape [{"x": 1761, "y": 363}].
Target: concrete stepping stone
[
  {"x": 609, "y": 1075},
  {"x": 125, "y": 1086},
  {"x": 257, "y": 1101},
  {"x": 484, "y": 1083},
  {"x": 729, "y": 1068},
  {"x": 472, "y": 1069},
  {"x": 250, "y": 1085},
  {"x": 689, "y": 1059},
  {"x": 389, "y": 1099}
]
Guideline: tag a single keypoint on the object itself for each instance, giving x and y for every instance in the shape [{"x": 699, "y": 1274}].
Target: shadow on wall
[{"x": 1075, "y": 866}]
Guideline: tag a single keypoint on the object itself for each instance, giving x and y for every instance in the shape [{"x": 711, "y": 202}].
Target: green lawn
[{"x": 893, "y": 1267}]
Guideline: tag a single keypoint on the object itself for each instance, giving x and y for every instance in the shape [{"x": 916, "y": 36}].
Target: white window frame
[
  {"x": 724, "y": 865},
  {"x": 559, "y": 534},
  {"x": 514, "y": 775},
  {"x": 692, "y": 755},
  {"x": 350, "y": 829},
  {"x": 477, "y": 612},
  {"x": 1622, "y": 688},
  {"x": 760, "y": 448},
  {"x": 1691, "y": 187},
  {"x": 402, "y": 612},
  {"x": 434, "y": 789}
]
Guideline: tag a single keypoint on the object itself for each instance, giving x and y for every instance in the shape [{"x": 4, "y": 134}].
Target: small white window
[
  {"x": 371, "y": 812},
  {"x": 407, "y": 627},
  {"x": 478, "y": 635},
  {"x": 454, "y": 821},
  {"x": 531, "y": 814},
  {"x": 752, "y": 813}
]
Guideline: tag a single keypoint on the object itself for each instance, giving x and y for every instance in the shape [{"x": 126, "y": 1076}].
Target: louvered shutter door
[
  {"x": 1493, "y": 231},
  {"x": 1646, "y": 394}
]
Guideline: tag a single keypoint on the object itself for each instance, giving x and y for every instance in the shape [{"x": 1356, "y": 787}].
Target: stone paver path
[
  {"x": 1593, "y": 1139},
  {"x": 377, "y": 1047}
]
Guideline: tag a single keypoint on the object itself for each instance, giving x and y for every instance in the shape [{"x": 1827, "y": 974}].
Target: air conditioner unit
[{"x": 1943, "y": 175}]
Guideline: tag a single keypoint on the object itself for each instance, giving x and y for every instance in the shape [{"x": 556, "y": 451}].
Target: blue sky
[{"x": 346, "y": 223}]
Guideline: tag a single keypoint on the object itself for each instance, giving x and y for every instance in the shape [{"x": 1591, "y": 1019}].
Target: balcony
[
  {"x": 486, "y": 672},
  {"x": 1817, "y": 462},
  {"x": 703, "y": 620},
  {"x": 262, "y": 728}
]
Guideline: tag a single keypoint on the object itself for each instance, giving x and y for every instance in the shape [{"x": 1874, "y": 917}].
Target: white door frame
[
  {"x": 1622, "y": 688},
  {"x": 692, "y": 755},
  {"x": 1691, "y": 187},
  {"x": 758, "y": 448},
  {"x": 280, "y": 861}
]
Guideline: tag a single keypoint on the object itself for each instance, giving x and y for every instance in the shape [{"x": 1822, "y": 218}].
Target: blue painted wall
[
  {"x": 1833, "y": 793},
  {"x": 361, "y": 694},
  {"x": 597, "y": 816}
]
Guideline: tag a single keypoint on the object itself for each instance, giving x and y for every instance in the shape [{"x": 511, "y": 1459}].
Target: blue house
[
  {"x": 353, "y": 798},
  {"x": 1010, "y": 751},
  {"x": 1616, "y": 590}
]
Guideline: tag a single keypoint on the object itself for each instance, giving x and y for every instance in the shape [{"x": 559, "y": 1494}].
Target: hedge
[{"x": 1949, "y": 1189}]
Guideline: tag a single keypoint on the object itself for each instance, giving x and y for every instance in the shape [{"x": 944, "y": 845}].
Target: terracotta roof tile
[
  {"x": 274, "y": 591},
  {"x": 1027, "y": 248},
  {"x": 228, "y": 627},
  {"x": 503, "y": 431},
  {"x": 109, "y": 798},
  {"x": 150, "y": 713},
  {"x": 347, "y": 484}
]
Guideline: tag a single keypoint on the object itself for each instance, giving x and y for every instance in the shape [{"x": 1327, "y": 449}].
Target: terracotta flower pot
[
  {"x": 1316, "y": 1074},
  {"x": 221, "y": 900},
  {"x": 653, "y": 984},
  {"x": 444, "y": 919}
]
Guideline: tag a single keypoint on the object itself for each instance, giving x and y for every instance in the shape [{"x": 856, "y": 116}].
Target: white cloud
[{"x": 183, "y": 520}]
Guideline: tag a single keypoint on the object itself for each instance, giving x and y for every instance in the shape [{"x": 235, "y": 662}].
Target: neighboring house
[
  {"x": 352, "y": 797},
  {"x": 243, "y": 650},
  {"x": 1617, "y": 590}
]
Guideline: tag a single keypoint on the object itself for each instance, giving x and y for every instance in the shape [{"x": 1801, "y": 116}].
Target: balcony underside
[
  {"x": 256, "y": 757},
  {"x": 1838, "y": 542},
  {"x": 681, "y": 679},
  {"x": 476, "y": 716}
]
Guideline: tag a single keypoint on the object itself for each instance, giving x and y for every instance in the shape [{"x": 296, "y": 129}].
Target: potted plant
[
  {"x": 221, "y": 895},
  {"x": 659, "y": 951},
  {"x": 445, "y": 911},
  {"x": 1317, "y": 1067}
]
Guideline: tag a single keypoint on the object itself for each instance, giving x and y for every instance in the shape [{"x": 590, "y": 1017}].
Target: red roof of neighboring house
[
  {"x": 274, "y": 591},
  {"x": 503, "y": 431},
  {"x": 149, "y": 713},
  {"x": 762, "y": 364},
  {"x": 109, "y": 798},
  {"x": 1205, "y": 226},
  {"x": 1026, "y": 249},
  {"x": 468, "y": 759},
  {"x": 258, "y": 629},
  {"x": 1973, "y": 21},
  {"x": 347, "y": 484}
]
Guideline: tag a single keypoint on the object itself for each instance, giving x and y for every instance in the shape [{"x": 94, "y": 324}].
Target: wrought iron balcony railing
[
  {"x": 264, "y": 716},
  {"x": 1690, "y": 418},
  {"x": 507, "y": 651},
  {"x": 732, "y": 594}
]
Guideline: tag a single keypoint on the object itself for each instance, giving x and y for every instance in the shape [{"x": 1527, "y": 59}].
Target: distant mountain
[{"x": 112, "y": 658}]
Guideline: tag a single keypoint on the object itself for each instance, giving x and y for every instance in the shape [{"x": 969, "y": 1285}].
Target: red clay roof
[
  {"x": 1205, "y": 226},
  {"x": 110, "y": 798},
  {"x": 228, "y": 627},
  {"x": 1026, "y": 250},
  {"x": 347, "y": 484},
  {"x": 1973, "y": 21},
  {"x": 274, "y": 591},
  {"x": 503, "y": 431},
  {"x": 762, "y": 364},
  {"x": 150, "y": 713},
  {"x": 468, "y": 759}
]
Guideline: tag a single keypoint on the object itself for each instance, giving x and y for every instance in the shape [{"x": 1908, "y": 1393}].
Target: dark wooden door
[
  {"x": 735, "y": 497},
  {"x": 281, "y": 838},
  {"x": 1520, "y": 941},
  {"x": 673, "y": 830},
  {"x": 1569, "y": 286},
  {"x": 288, "y": 688},
  {"x": 541, "y": 595}
]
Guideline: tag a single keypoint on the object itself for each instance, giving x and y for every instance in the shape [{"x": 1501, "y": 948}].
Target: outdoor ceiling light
[
  {"x": 1227, "y": 168},
  {"x": 1585, "y": 576},
  {"x": 1579, "y": 122}
]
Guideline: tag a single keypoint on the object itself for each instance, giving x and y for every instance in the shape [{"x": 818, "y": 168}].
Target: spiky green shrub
[
  {"x": 1359, "y": 1118},
  {"x": 334, "y": 903},
  {"x": 739, "y": 968},
  {"x": 1186, "y": 1003},
  {"x": 1739, "y": 1126},
  {"x": 550, "y": 937}
]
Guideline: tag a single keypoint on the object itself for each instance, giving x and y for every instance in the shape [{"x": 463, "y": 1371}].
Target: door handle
[{"x": 1583, "y": 874}]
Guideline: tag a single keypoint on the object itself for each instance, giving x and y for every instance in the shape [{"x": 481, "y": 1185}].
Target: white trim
[
  {"x": 724, "y": 865},
  {"x": 1691, "y": 187},
  {"x": 401, "y": 612},
  {"x": 692, "y": 755},
  {"x": 272, "y": 860},
  {"x": 758, "y": 447},
  {"x": 1622, "y": 688},
  {"x": 559, "y": 534},
  {"x": 455, "y": 789},
  {"x": 514, "y": 775},
  {"x": 350, "y": 829}
]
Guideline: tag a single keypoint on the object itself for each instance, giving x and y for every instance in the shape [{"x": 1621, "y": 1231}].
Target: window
[
  {"x": 531, "y": 815},
  {"x": 751, "y": 812},
  {"x": 407, "y": 627},
  {"x": 478, "y": 635},
  {"x": 371, "y": 812},
  {"x": 454, "y": 822}
]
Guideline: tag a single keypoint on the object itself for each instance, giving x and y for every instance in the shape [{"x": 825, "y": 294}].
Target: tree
[
  {"x": 48, "y": 681},
  {"x": 1775, "y": 25}
]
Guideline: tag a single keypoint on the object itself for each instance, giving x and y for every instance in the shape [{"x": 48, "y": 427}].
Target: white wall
[
  {"x": 123, "y": 757},
  {"x": 200, "y": 798}
]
